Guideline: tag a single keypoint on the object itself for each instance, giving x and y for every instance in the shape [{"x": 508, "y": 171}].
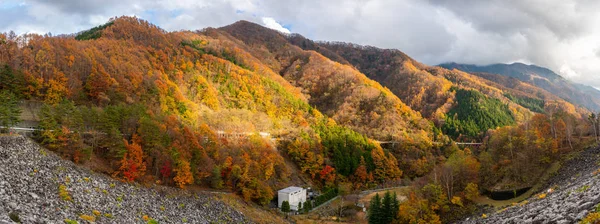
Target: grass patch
[
  {"x": 69, "y": 221},
  {"x": 583, "y": 188},
  {"x": 88, "y": 218},
  {"x": 63, "y": 193}
]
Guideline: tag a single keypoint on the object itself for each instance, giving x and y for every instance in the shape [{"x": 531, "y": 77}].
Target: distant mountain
[
  {"x": 544, "y": 78},
  {"x": 427, "y": 89},
  {"x": 247, "y": 109}
]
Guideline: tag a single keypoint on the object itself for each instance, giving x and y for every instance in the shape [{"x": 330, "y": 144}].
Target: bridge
[
  {"x": 20, "y": 130},
  {"x": 230, "y": 135},
  {"x": 468, "y": 143},
  {"x": 457, "y": 143},
  {"x": 238, "y": 135}
]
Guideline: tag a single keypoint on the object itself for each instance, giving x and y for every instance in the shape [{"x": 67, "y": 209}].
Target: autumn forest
[{"x": 249, "y": 110}]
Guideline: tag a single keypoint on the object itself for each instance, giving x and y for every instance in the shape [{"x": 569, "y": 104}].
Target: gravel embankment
[
  {"x": 576, "y": 192},
  {"x": 30, "y": 177}
]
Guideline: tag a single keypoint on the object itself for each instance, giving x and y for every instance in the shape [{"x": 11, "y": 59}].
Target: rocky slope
[
  {"x": 30, "y": 178},
  {"x": 571, "y": 194}
]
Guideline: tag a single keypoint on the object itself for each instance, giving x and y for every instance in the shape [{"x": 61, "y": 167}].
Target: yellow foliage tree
[{"x": 183, "y": 175}]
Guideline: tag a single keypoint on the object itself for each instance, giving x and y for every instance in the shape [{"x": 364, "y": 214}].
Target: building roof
[{"x": 290, "y": 189}]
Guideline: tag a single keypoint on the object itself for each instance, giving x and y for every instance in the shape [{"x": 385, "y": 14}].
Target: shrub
[
  {"x": 69, "y": 221},
  {"x": 88, "y": 218},
  {"x": 542, "y": 196},
  {"x": 14, "y": 217},
  {"x": 285, "y": 206},
  {"x": 591, "y": 218},
  {"x": 63, "y": 193},
  {"x": 583, "y": 188},
  {"x": 457, "y": 201},
  {"x": 328, "y": 195},
  {"x": 471, "y": 191}
]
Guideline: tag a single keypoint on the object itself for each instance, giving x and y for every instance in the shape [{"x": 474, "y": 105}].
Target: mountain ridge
[
  {"x": 186, "y": 108},
  {"x": 541, "y": 77}
]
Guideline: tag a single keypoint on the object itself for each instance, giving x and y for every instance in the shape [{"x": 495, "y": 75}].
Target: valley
[{"x": 145, "y": 125}]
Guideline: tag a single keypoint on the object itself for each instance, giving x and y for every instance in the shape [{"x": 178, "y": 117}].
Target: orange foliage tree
[
  {"x": 183, "y": 175},
  {"x": 132, "y": 163},
  {"x": 327, "y": 175}
]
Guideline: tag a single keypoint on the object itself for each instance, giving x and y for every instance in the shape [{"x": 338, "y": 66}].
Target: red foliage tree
[
  {"x": 132, "y": 164},
  {"x": 327, "y": 175}
]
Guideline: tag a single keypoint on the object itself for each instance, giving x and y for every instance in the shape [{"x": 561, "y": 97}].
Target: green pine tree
[
  {"x": 9, "y": 109},
  {"x": 374, "y": 213},
  {"x": 217, "y": 180},
  {"x": 307, "y": 206},
  {"x": 12, "y": 80},
  {"x": 285, "y": 206},
  {"x": 48, "y": 124},
  {"x": 395, "y": 206},
  {"x": 386, "y": 208}
]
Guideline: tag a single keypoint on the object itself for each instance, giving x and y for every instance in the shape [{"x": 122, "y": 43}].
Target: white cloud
[
  {"x": 562, "y": 35},
  {"x": 272, "y": 24},
  {"x": 567, "y": 72}
]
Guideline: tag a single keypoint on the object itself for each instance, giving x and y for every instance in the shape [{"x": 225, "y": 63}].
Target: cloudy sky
[{"x": 563, "y": 35}]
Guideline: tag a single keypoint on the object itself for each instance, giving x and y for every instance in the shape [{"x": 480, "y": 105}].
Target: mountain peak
[
  {"x": 538, "y": 76},
  {"x": 253, "y": 33},
  {"x": 244, "y": 23},
  {"x": 250, "y": 26}
]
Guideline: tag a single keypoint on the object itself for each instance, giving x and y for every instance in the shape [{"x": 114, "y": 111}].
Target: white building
[{"x": 293, "y": 195}]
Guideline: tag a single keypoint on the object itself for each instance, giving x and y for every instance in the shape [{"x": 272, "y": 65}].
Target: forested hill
[
  {"x": 246, "y": 109},
  {"x": 432, "y": 90},
  {"x": 338, "y": 90},
  {"x": 541, "y": 77},
  {"x": 143, "y": 104}
]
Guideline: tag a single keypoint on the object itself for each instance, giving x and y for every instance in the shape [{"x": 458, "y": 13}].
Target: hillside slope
[
  {"x": 541, "y": 77},
  {"x": 160, "y": 99},
  {"x": 343, "y": 93},
  {"x": 575, "y": 193},
  {"x": 426, "y": 88},
  {"x": 31, "y": 177},
  {"x": 186, "y": 108},
  {"x": 337, "y": 90}
]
